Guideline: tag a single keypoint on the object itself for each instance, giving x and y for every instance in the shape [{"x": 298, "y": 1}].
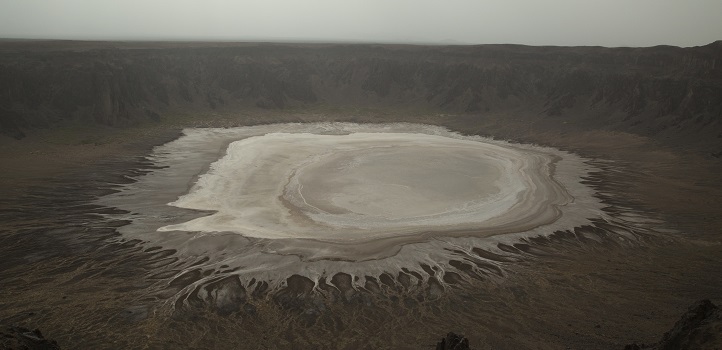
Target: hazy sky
[{"x": 532, "y": 22}]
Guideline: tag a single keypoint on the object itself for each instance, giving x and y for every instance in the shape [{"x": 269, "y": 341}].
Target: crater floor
[
  {"x": 362, "y": 199},
  {"x": 367, "y": 186}
]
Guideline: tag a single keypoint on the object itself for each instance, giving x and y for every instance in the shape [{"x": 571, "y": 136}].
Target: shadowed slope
[{"x": 670, "y": 93}]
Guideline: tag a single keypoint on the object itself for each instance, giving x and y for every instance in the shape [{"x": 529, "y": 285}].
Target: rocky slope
[
  {"x": 699, "y": 328},
  {"x": 669, "y": 93},
  {"x": 19, "y": 338}
]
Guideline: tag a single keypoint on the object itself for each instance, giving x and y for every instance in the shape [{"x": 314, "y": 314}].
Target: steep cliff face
[{"x": 663, "y": 92}]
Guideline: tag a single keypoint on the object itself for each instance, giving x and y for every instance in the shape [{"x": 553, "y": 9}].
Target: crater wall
[{"x": 668, "y": 93}]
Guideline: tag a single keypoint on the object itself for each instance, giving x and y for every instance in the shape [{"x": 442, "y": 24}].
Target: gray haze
[{"x": 531, "y": 22}]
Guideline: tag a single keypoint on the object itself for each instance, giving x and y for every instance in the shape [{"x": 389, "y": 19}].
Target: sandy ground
[{"x": 564, "y": 294}]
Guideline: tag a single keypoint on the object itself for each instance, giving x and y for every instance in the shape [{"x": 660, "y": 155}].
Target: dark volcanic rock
[
  {"x": 699, "y": 328},
  {"x": 19, "y": 338},
  {"x": 453, "y": 342}
]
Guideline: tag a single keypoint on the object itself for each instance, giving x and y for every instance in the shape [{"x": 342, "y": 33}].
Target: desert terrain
[{"x": 78, "y": 121}]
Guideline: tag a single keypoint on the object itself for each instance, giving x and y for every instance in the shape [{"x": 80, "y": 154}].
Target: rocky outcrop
[
  {"x": 19, "y": 338},
  {"x": 699, "y": 328},
  {"x": 662, "y": 92},
  {"x": 453, "y": 342}
]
